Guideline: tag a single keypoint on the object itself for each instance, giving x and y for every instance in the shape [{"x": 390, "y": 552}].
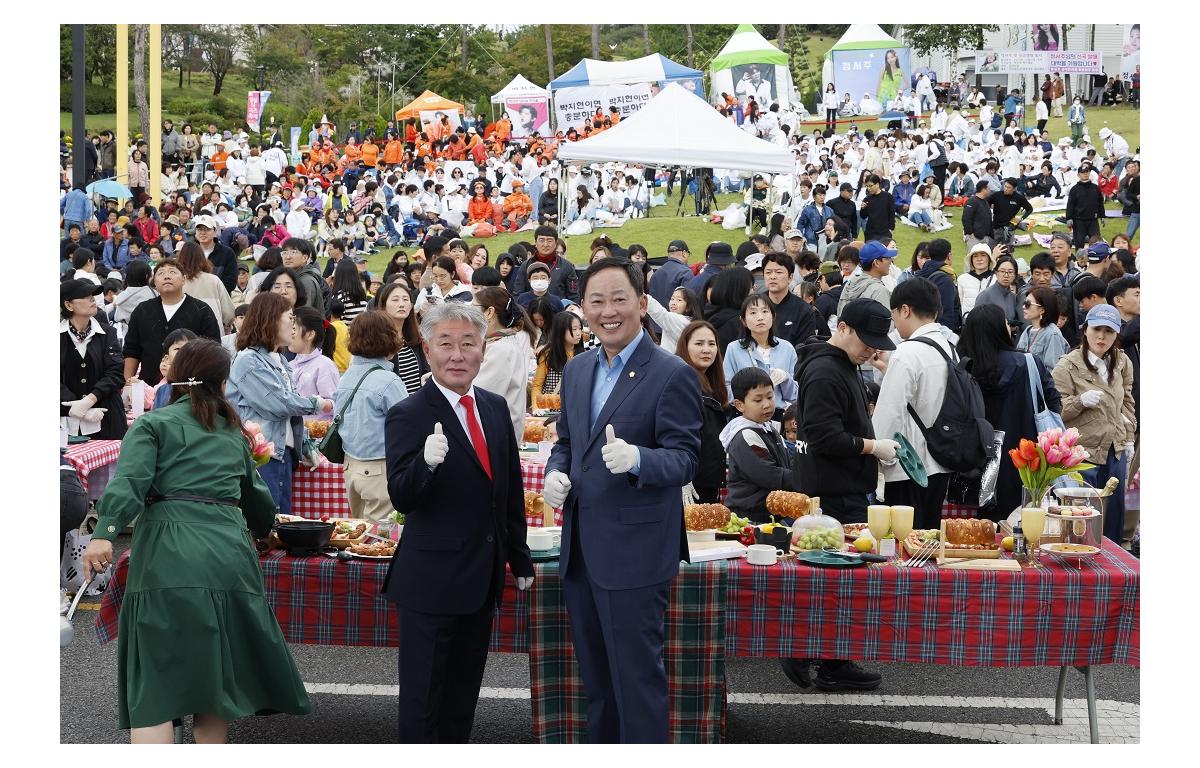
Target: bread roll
[
  {"x": 702, "y": 517},
  {"x": 972, "y": 531}
]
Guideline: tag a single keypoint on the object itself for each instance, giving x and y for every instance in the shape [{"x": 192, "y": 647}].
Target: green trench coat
[{"x": 196, "y": 633}]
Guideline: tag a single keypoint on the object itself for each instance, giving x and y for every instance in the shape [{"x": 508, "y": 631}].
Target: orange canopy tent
[{"x": 427, "y": 102}]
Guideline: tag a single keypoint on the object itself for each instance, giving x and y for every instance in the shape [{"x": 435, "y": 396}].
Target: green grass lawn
[{"x": 663, "y": 226}]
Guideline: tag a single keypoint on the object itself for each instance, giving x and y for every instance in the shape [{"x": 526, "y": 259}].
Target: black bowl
[{"x": 304, "y": 534}]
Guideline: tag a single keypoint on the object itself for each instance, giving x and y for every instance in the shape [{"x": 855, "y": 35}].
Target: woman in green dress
[
  {"x": 196, "y": 634},
  {"x": 890, "y": 78}
]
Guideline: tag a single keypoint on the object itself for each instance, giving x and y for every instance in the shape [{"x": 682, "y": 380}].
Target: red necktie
[{"x": 476, "y": 434}]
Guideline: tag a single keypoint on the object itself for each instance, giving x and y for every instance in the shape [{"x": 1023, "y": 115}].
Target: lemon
[
  {"x": 863, "y": 544},
  {"x": 1007, "y": 543}
]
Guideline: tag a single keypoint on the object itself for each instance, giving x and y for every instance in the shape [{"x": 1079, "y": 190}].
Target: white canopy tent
[
  {"x": 521, "y": 88},
  {"x": 677, "y": 129}
]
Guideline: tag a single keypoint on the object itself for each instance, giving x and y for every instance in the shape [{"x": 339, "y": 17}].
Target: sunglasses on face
[{"x": 1029, "y": 304}]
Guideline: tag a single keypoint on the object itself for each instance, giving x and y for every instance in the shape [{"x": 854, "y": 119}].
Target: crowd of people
[{"x": 781, "y": 361}]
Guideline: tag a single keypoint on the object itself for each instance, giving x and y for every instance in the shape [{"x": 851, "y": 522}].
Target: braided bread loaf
[
  {"x": 702, "y": 517},
  {"x": 971, "y": 531},
  {"x": 788, "y": 504}
]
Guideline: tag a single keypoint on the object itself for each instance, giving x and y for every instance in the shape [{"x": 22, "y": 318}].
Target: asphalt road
[{"x": 353, "y": 692}]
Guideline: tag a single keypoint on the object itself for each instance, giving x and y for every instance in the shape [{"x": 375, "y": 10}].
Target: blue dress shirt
[{"x": 606, "y": 378}]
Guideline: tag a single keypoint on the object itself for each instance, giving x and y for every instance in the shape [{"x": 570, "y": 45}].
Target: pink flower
[
  {"x": 259, "y": 444},
  {"x": 252, "y": 427},
  {"x": 1049, "y": 437},
  {"x": 1077, "y": 457},
  {"x": 1055, "y": 454},
  {"x": 1070, "y": 438},
  {"x": 269, "y": 449}
]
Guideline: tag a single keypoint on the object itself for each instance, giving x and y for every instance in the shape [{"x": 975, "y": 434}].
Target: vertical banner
[
  {"x": 574, "y": 107},
  {"x": 529, "y": 114},
  {"x": 295, "y": 144},
  {"x": 1131, "y": 50},
  {"x": 256, "y": 102}
]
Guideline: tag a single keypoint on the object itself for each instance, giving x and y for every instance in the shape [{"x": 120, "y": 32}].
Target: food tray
[{"x": 343, "y": 543}]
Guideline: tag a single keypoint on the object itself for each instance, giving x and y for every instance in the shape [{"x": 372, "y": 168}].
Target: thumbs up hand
[
  {"x": 619, "y": 456},
  {"x": 436, "y": 447}
]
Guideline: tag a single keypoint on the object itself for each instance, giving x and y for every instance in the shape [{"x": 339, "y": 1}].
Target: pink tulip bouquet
[
  {"x": 260, "y": 450},
  {"x": 1056, "y": 453}
]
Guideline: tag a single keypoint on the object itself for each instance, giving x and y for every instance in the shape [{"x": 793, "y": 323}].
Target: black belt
[{"x": 190, "y": 497}]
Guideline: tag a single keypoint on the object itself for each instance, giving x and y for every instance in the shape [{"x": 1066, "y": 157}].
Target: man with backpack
[{"x": 925, "y": 397}]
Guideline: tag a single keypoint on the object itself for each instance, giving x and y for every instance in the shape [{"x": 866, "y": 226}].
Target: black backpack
[{"x": 960, "y": 438}]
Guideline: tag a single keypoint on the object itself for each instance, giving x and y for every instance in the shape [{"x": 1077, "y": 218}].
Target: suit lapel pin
[{"x": 632, "y": 374}]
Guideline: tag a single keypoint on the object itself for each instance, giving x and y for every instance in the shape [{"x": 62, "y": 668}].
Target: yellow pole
[
  {"x": 122, "y": 102},
  {"x": 155, "y": 137}
]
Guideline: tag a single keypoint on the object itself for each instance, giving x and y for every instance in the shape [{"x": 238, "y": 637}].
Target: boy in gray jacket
[{"x": 759, "y": 460}]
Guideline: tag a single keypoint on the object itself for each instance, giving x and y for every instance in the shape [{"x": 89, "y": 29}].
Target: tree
[
  {"x": 646, "y": 38},
  {"x": 141, "y": 34},
  {"x": 218, "y": 44},
  {"x": 595, "y": 41},
  {"x": 549, "y": 53},
  {"x": 947, "y": 38},
  {"x": 690, "y": 41}
]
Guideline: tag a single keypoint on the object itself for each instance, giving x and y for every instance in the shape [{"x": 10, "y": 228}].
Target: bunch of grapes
[{"x": 825, "y": 538}]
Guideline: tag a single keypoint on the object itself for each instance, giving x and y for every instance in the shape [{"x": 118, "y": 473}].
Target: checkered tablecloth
[
  {"x": 694, "y": 654},
  {"x": 533, "y": 469},
  {"x": 319, "y": 491},
  {"x": 1054, "y": 616},
  {"x": 323, "y": 601},
  {"x": 92, "y": 456}
]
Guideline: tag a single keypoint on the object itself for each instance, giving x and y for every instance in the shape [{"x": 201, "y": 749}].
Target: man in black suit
[{"x": 453, "y": 470}]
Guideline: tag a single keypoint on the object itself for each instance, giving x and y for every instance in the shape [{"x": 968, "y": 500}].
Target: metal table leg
[
  {"x": 1093, "y": 725},
  {"x": 1058, "y": 700}
]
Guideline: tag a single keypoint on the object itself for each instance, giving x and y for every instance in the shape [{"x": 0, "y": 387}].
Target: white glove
[
  {"x": 778, "y": 376},
  {"x": 93, "y": 415},
  {"x": 80, "y": 406},
  {"x": 1091, "y": 398},
  {"x": 524, "y": 582},
  {"x": 689, "y": 495},
  {"x": 556, "y": 489},
  {"x": 884, "y": 449},
  {"x": 619, "y": 456},
  {"x": 436, "y": 447}
]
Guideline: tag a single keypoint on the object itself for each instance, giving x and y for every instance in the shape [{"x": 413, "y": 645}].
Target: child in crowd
[
  {"x": 174, "y": 342},
  {"x": 229, "y": 340},
  {"x": 315, "y": 373},
  {"x": 788, "y": 427},
  {"x": 341, "y": 344},
  {"x": 759, "y": 460}
]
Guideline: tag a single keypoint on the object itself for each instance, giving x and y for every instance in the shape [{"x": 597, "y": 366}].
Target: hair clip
[{"x": 191, "y": 382}]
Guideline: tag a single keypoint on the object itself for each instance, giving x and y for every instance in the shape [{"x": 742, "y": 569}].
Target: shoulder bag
[
  {"x": 331, "y": 445},
  {"x": 1043, "y": 417}
]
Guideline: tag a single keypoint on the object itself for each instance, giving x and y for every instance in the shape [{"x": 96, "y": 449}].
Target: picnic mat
[
  {"x": 1055, "y": 616},
  {"x": 694, "y": 654}
]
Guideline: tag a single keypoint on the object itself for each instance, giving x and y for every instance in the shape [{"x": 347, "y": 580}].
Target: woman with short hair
[
  {"x": 199, "y": 282},
  {"x": 1042, "y": 337}
]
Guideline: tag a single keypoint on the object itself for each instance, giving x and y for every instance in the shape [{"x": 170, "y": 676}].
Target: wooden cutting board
[{"x": 977, "y": 564}]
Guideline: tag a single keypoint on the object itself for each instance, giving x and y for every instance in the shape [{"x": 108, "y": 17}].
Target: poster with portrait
[
  {"x": 987, "y": 62},
  {"x": 1131, "y": 50},
  {"x": 1045, "y": 37},
  {"x": 881, "y": 73},
  {"x": 529, "y": 114},
  {"x": 694, "y": 85},
  {"x": 434, "y": 117},
  {"x": 757, "y": 80}
]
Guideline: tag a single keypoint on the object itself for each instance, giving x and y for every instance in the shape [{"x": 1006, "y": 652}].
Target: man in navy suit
[
  {"x": 453, "y": 470},
  {"x": 628, "y": 441}
]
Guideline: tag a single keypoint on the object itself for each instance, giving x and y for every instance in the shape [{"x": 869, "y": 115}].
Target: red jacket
[{"x": 149, "y": 229}]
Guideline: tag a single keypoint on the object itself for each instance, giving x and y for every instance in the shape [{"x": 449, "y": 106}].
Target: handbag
[
  {"x": 331, "y": 445},
  {"x": 1043, "y": 417},
  {"x": 71, "y": 567}
]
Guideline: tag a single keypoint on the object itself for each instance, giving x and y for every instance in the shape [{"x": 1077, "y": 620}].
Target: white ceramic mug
[
  {"x": 539, "y": 539},
  {"x": 763, "y": 554},
  {"x": 557, "y": 531}
]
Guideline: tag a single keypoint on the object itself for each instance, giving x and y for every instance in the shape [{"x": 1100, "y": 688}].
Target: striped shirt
[
  {"x": 350, "y": 308},
  {"x": 408, "y": 368}
]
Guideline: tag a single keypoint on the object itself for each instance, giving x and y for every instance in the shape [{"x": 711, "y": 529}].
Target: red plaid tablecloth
[
  {"x": 91, "y": 456},
  {"x": 319, "y": 491},
  {"x": 1054, "y": 616},
  {"x": 533, "y": 469},
  {"x": 694, "y": 654},
  {"x": 323, "y": 601}
]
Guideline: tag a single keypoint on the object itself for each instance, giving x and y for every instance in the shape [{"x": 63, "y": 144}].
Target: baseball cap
[
  {"x": 243, "y": 267},
  {"x": 754, "y": 261},
  {"x": 826, "y": 267},
  {"x": 1105, "y": 315},
  {"x": 1098, "y": 252},
  {"x": 78, "y": 289},
  {"x": 792, "y": 233},
  {"x": 204, "y": 220},
  {"x": 1065, "y": 141},
  {"x": 535, "y": 266},
  {"x": 870, "y": 320},
  {"x": 718, "y": 253},
  {"x": 872, "y": 251},
  {"x": 675, "y": 246}
]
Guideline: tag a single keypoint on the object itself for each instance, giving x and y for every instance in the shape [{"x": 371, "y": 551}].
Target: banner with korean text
[
  {"x": 1038, "y": 62},
  {"x": 573, "y": 107},
  {"x": 256, "y": 102}
]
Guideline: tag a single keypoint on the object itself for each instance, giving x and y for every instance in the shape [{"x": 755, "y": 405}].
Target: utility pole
[{"x": 78, "y": 105}]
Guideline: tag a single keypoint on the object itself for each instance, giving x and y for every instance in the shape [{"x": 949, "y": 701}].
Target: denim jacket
[
  {"x": 362, "y": 423},
  {"x": 264, "y": 393},
  {"x": 783, "y": 356}
]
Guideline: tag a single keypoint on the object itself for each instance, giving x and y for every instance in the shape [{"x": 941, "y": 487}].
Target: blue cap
[
  {"x": 1098, "y": 252},
  {"x": 1104, "y": 315},
  {"x": 874, "y": 250}
]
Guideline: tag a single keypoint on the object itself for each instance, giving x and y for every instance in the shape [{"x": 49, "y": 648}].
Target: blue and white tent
[{"x": 654, "y": 68}]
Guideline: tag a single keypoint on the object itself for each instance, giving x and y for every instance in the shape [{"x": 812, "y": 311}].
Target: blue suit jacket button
[{"x": 585, "y": 467}]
